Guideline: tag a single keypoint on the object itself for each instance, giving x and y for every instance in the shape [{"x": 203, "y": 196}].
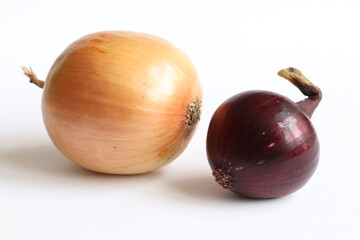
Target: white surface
[{"x": 236, "y": 46}]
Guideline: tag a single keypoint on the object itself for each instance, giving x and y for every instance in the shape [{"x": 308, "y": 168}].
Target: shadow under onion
[
  {"x": 204, "y": 189},
  {"x": 44, "y": 165}
]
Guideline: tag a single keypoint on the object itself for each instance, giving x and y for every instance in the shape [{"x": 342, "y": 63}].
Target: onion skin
[
  {"x": 121, "y": 102},
  {"x": 261, "y": 144}
]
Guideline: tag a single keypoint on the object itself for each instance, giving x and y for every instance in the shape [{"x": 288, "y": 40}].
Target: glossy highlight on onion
[
  {"x": 261, "y": 144},
  {"x": 120, "y": 102}
]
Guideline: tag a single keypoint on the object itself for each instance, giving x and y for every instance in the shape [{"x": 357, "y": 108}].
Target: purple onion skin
[{"x": 262, "y": 145}]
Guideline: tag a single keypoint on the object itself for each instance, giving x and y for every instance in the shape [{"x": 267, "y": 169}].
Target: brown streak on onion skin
[
  {"x": 118, "y": 102},
  {"x": 262, "y": 145}
]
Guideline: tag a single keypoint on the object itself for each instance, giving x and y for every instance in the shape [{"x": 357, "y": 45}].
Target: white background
[{"x": 235, "y": 46}]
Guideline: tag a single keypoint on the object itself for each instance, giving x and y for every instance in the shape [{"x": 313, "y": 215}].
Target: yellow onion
[{"x": 120, "y": 102}]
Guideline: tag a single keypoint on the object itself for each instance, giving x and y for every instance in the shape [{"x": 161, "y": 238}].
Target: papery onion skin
[
  {"x": 261, "y": 144},
  {"x": 121, "y": 102}
]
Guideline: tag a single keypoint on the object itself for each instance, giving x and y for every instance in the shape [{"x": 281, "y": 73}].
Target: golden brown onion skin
[{"x": 118, "y": 102}]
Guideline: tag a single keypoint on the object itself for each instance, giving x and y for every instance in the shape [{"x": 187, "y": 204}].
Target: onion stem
[
  {"x": 296, "y": 77},
  {"x": 32, "y": 76},
  {"x": 309, "y": 89}
]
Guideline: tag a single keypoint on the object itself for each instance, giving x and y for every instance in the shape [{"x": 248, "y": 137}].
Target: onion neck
[
  {"x": 309, "y": 89},
  {"x": 33, "y": 78}
]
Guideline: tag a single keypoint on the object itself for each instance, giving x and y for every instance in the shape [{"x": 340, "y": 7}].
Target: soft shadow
[
  {"x": 204, "y": 188},
  {"x": 44, "y": 164},
  {"x": 37, "y": 159}
]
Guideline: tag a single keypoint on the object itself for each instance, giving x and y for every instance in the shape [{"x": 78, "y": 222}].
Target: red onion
[{"x": 261, "y": 144}]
